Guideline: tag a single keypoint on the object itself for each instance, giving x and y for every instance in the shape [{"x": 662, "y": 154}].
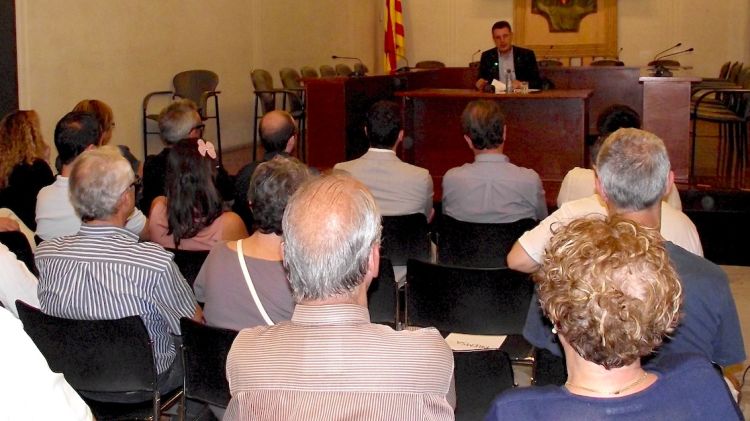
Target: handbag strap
[{"x": 250, "y": 285}]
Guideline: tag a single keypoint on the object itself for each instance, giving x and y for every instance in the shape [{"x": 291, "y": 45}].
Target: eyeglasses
[
  {"x": 199, "y": 127},
  {"x": 136, "y": 184}
]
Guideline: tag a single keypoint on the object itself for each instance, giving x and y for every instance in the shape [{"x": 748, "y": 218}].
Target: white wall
[{"x": 118, "y": 50}]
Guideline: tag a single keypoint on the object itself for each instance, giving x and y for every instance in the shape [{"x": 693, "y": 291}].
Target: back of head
[
  {"x": 633, "y": 167},
  {"x": 275, "y": 129},
  {"x": 98, "y": 179},
  {"x": 101, "y": 111},
  {"x": 193, "y": 202},
  {"x": 21, "y": 141},
  {"x": 177, "y": 120},
  {"x": 502, "y": 24},
  {"x": 383, "y": 124},
  {"x": 75, "y": 132},
  {"x": 610, "y": 120},
  {"x": 609, "y": 289},
  {"x": 330, "y": 226},
  {"x": 271, "y": 186},
  {"x": 483, "y": 122}
]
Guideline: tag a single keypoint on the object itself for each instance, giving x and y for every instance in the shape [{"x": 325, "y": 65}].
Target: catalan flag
[{"x": 394, "y": 46}]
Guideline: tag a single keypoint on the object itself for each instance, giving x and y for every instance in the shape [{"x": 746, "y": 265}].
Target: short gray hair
[
  {"x": 98, "y": 179},
  {"x": 330, "y": 226},
  {"x": 177, "y": 120},
  {"x": 633, "y": 167}
]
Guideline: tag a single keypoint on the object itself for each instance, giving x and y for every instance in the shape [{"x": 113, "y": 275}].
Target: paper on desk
[
  {"x": 463, "y": 342},
  {"x": 499, "y": 86}
]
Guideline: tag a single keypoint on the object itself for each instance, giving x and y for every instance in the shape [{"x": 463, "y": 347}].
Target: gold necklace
[{"x": 616, "y": 392}]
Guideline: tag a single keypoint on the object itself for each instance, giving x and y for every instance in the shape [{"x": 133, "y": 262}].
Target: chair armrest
[
  {"x": 707, "y": 92},
  {"x": 208, "y": 94},
  {"x": 147, "y": 98}
]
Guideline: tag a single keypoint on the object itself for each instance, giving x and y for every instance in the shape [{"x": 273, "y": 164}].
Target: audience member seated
[
  {"x": 329, "y": 362},
  {"x": 17, "y": 282},
  {"x": 180, "y": 120},
  {"x": 579, "y": 182},
  {"x": 399, "y": 188},
  {"x": 191, "y": 215},
  {"x": 75, "y": 133},
  {"x": 225, "y": 286},
  {"x": 612, "y": 296},
  {"x": 633, "y": 174},
  {"x": 490, "y": 189},
  {"x": 103, "y": 114},
  {"x": 278, "y": 135},
  {"x": 23, "y": 164},
  {"x": 103, "y": 272},
  {"x": 30, "y": 390}
]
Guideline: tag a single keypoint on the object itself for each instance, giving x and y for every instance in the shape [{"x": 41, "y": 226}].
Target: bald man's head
[{"x": 276, "y": 130}]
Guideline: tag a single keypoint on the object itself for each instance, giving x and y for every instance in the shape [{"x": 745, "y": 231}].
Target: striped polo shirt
[
  {"x": 330, "y": 363},
  {"x": 103, "y": 272}
]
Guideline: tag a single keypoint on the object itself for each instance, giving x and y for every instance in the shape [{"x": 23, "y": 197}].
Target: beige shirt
[{"x": 331, "y": 363}]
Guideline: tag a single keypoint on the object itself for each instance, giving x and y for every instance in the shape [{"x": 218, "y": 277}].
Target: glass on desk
[{"x": 524, "y": 89}]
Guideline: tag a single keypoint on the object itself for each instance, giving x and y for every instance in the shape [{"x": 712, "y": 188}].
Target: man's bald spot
[{"x": 277, "y": 125}]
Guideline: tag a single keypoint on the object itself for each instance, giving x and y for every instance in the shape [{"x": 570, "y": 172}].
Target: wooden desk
[{"x": 545, "y": 131}]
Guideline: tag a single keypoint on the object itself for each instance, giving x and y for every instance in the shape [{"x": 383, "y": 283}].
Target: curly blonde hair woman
[
  {"x": 612, "y": 295},
  {"x": 23, "y": 163}
]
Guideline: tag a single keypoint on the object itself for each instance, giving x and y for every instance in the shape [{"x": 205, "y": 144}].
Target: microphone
[
  {"x": 668, "y": 49},
  {"x": 356, "y": 73},
  {"x": 403, "y": 69},
  {"x": 678, "y": 53},
  {"x": 475, "y": 54}
]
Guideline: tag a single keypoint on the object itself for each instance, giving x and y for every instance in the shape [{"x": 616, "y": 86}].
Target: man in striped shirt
[
  {"x": 329, "y": 362},
  {"x": 103, "y": 272}
]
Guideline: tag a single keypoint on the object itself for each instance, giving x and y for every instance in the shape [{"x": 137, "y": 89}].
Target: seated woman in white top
[{"x": 221, "y": 284}]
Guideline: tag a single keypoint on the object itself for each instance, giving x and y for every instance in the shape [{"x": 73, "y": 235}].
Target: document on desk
[{"x": 463, "y": 342}]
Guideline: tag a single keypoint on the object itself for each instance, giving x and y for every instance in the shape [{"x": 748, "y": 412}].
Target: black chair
[
  {"x": 405, "y": 237},
  {"x": 479, "y": 301},
  {"x": 477, "y": 245},
  {"x": 548, "y": 369},
  {"x": 292, "y": 82},
  {"x": 189, "y": 262},
  {"x": 19, "y": 244},
  {"x": 196, "y": 85},
  {"x": 382, "y": 296},
  {"x": 103, "y": 357},
  {"x": 204, "y": 350},
  {"x": 480, "y": 376}
]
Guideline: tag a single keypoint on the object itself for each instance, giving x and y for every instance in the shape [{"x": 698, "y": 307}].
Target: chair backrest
[
  {"x": 105, "y": 356},
  {"x": 19, "y": 244},
  {"x": 607, "y": 62},
  {"x": 382, "y": 296},
  {"x": 724, "y": 71},
  {"x": 343, "y": 69},
  {"x": 549, "y": 63},
  {"x": 205, "y": 349},
  {"x": 308, "y": 71},
  {"x": 360, "y": 69},
  {"x": 189, "y": 262},
  {"x": 191, "y": 84},
  {"x": 291, "y": 80},
  {"x": 430, "y": 64},
  {"x": 477, "y": 245},
  {"x": 405, "y": 237},
  {"x": 734, "y": 72},
  {"x": 327, "y": 71},
  {"x": 262, "y": 81},
  {"x": 467, "y": 300},
  {"x": 480, "y": 376}
]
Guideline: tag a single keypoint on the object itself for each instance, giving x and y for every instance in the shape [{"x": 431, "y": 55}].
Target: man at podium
[{"x": 504, "y": 57}]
